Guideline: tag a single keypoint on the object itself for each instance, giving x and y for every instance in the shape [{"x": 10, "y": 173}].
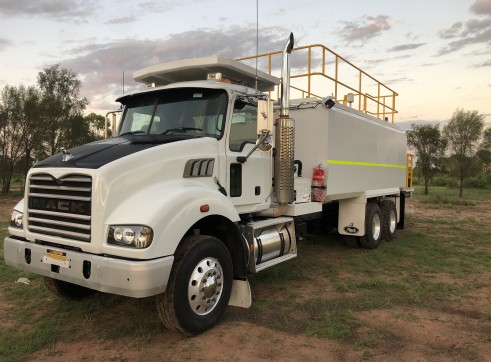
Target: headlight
[
  {"x": 16, "y": 219},
  {"x": 137, "y": 236}
]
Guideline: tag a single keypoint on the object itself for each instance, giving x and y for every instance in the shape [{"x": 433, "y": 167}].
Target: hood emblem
[{"x": 66, "y": 155}]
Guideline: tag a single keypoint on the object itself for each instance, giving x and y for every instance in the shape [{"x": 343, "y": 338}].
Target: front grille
[{"x": 60, "y": 207}]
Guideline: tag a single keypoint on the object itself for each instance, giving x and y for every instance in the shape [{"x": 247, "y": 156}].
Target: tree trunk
[
  {"x": 461, "y": 194},
  {"x": 7, "y": 179},
  {"x": 27, "y": 161},
  {"x": 426, "y": 185}
]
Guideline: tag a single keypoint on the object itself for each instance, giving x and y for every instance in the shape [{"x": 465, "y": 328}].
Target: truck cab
[{"x": 112, "y": 215}]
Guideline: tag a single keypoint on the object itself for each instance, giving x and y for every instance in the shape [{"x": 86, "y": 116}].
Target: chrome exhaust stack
[
  {"x": 285, "y": 133},
  {"x": 285, "y": 77}
]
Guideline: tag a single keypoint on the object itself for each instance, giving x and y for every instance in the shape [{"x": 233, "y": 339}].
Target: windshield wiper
[
  {"x": 180, "y": 129},
  {"x": 131, "y": 132}
]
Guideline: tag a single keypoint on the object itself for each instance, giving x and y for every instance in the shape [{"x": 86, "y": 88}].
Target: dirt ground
[{"x": 406, "y": 334}]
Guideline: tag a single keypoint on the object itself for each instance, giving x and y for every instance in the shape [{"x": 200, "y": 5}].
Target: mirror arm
[{"x": 243, "y": 159}]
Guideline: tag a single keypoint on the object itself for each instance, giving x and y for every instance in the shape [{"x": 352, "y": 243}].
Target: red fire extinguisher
[{"x": 318, "y": 184}]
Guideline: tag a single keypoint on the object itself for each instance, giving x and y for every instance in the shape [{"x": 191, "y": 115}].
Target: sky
[{"x": 435, "y": 54}]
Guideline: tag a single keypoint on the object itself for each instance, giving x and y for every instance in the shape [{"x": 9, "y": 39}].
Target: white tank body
[{"x": 360, "y": 153}]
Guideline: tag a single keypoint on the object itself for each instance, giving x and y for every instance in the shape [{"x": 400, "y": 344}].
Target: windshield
[{"x": 196, "y": 111}]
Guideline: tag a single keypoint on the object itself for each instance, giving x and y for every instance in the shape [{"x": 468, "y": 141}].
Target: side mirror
[
  {"x": 264, "y": 117},
  {"x": 110, "y": 127},
  {"x": 264, "y": 125}
]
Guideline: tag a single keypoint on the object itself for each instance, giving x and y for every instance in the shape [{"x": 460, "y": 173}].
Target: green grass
[
  {"x": 443, "y": 195},
  {"x": 436, "y": 263},
  {"x": 428, "y": 266}
]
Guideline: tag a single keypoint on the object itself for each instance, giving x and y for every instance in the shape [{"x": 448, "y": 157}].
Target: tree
[
  {"x": 86, "y": 129},
  {"x": 462, "y": 134},
  {"x": 97, "y": 124},
  {"x": 484, "y": 152},
  {"x": 32, "y": 126},
  {"x": 430, "y": 147},
  {"x": 11, "y": 111},
  {"x": 62, "y": 105},
  {"x": 486, "y": 140}
]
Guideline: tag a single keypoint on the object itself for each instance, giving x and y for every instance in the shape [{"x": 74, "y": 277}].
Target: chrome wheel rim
[
  {"x": 205, "y": 286},
  {"x": 376, "y": 226},
  {"x": 393, "y": 221}
]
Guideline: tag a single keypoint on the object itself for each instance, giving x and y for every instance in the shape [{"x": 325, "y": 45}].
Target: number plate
[{"x": 56, "y": 257}]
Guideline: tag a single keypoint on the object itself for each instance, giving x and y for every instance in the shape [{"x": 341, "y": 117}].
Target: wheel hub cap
[
  {"x": 376, "y": 226},
  {"x": 393, "y": 221},
  {"x": 205, "y": 286}
]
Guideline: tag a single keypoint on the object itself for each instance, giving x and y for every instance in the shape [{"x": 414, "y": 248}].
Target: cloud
[
  {"x": 451, "y": 32},
  {"x": 374, "y": 62},
  {"x": 54, "y": 9},
  {"x": 123, "y": 20},
  {"x": 412, "y": 37},
  {"x": 161, "y": 6},
  {"x": 4, "y": 43},
  {"x": 481, "y": 7},
  {"x": 364, "y": 28},
  {"x": 474, "y": 31},
  {"x": 399, "y": 48},
  {"x": 485, "y": 64},
  {"x": 99, "y": 64},
  {"x": 138, "y": 10},
  {"x": 398, "y": 80}
]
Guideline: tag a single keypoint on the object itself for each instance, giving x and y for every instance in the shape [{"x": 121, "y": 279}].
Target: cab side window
[{"x": 244, "y": 126}]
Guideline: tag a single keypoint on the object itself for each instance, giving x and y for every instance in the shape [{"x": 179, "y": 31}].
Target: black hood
[{"x": 97, "y": 154}]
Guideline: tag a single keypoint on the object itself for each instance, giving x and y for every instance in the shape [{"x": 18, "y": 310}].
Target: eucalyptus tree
[
  {"x": 463, "y": 132},
  {"x": 11, "y": 112},
  {"x": 430, "y": 148},
  {"x": 62, "y": 105}
]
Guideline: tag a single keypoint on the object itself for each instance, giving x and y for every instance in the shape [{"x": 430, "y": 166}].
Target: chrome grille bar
[{"x": 63, "y": 196}]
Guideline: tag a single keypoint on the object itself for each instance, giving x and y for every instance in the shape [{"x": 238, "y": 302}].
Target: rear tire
[
  {"x": 67, "y": 290},
  {"x": 373, "y": 227},
  {"x": 199, "y": 286},
  {"x": 389, "y": 219}
]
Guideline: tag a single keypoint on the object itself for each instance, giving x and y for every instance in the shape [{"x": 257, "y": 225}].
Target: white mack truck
[{"x": 203, "y": 184}]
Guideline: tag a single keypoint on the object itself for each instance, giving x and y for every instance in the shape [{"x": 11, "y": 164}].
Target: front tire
[
  {"x": 67, "y": 290},
  {"x": 373, "y": 227},
  {"x": 199, "y": 286}
]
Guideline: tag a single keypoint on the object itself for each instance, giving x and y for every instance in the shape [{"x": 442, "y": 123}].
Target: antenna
[
  {"x": 257, "y": 37},
  {"x": 122, "y": 72}
]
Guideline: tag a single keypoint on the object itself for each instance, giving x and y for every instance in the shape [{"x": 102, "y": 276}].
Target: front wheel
[{"x": 199, "y": 286}]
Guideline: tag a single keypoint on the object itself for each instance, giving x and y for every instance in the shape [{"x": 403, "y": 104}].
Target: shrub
[
  {"x": 445, "y": 181},
  {"x": 482, "y": 181}
]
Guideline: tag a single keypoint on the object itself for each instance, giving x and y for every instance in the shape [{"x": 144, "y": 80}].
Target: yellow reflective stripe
[{"x": 366, "y": 164}]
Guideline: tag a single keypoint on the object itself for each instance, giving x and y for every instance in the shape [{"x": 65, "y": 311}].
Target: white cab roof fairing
[
  {"x": 212, "y": 84},
  {"x": 198, "y": 69}
]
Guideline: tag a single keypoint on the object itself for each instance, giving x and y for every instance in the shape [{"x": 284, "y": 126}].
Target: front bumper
[{"x": 131, "y": 278}]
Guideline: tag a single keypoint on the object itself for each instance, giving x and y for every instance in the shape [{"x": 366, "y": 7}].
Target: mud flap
[{"x": 241, "y": 294}]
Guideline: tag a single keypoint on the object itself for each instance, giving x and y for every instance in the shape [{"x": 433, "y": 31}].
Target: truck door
[{"x": 249, "y": 183}]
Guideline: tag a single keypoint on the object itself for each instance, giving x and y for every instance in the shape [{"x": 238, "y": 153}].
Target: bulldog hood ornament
[{"x": 66, "y": 155}]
